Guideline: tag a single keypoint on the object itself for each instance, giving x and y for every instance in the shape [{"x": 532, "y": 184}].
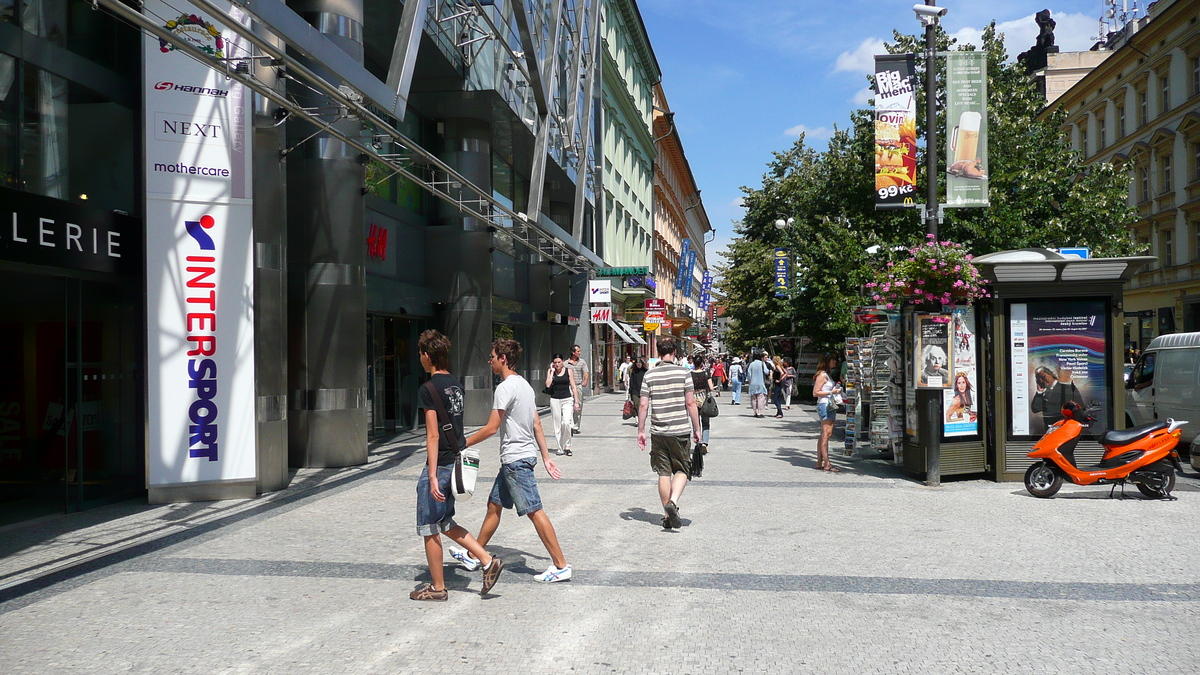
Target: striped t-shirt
[{"x": 667, "y": 385}]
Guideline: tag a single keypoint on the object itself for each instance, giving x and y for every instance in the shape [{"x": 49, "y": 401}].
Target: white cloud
[
  {"x": 818, "y": 133},
  {"x": 738, "y": 203},
  {"x": 862, "y": 59},
  {"x": 863, "y": 96},
  {"x": 1073, "y": 33}
]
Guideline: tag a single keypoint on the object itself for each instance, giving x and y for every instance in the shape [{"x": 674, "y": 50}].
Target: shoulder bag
[
  {"x": 709, "y": 408},
  {"x": 466, "y": 461}
]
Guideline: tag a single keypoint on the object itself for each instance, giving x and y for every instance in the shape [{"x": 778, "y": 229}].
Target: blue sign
[
  {"x": 783, "y": 272},
  {"x": 681, "y": 277},
  {"x": 691, "y": 268},
  {"x": 1080, "y": 252}
]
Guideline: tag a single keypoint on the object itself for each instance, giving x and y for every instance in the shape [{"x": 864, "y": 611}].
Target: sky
[{"x": 746, "y": 77}]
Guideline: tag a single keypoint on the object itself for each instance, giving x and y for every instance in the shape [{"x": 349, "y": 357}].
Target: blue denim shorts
[
  {"x": 434, "y": 517},
  {"x": 827, "y": 411},
  {"x": 516, "y": 486}
]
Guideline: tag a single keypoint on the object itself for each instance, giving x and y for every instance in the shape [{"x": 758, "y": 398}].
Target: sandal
[
  {"x": 834, "y": 469},
  {"x": 426, "y": 592}
]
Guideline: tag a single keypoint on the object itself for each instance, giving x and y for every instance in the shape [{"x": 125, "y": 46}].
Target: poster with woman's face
[
  {"x": 959, "y": 403},
  {"x": 933, "y": 351},
  {"x": 1058, "y": 355}
]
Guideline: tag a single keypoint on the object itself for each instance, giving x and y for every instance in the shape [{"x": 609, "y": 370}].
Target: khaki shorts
[{"x": 670, "y": 455}]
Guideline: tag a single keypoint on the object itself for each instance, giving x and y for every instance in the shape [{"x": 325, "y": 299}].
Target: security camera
[{"x": 928, "y": 14}]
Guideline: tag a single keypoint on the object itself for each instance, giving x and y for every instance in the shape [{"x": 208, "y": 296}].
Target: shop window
[
  {"x": 8, "y": 121},
  {"x": 44, "y": 148}
]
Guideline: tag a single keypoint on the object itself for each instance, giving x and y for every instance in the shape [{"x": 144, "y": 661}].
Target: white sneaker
[
  {"x": 553, "y": 574},
  {"x": 464, "y": 558}
]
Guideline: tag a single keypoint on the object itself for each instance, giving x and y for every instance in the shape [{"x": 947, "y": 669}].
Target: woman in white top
[{"x": 823, "y": 389}]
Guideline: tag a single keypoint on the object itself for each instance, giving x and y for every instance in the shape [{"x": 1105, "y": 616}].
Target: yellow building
[
  {"x": 678, "y": 215},
  {"x": 1140, "y": 108}
]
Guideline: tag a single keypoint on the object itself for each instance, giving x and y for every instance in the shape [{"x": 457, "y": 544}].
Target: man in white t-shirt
[{"x": 515, "y": 416}]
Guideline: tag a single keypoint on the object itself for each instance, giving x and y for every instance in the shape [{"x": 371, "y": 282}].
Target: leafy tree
[{"x": 1041, "y": 193}]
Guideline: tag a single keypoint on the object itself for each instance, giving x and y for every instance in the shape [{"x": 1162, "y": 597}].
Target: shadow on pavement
[{"x": 655, "y": 519}]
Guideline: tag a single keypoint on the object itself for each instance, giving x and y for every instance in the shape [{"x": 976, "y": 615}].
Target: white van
[{"x": 1165, "y": 382}]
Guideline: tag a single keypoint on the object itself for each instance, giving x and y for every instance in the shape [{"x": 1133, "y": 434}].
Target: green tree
[{"x": 1041, "y": 192}]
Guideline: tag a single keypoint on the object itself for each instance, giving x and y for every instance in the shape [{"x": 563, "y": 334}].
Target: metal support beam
[
  {"x": 404, "y": 52},
  {"x": 534, "y": 69},
  {"x": 577, "y": 39},
  {"x": 586, "y": 168},
  {"x": 541, "y": 154}
]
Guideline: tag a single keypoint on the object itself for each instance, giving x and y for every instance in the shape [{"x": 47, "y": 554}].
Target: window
[
  {"x": 1121, "y": 120},
  {"x": 1168, "y": 248},
  {"x": 1195, "y": 75},
  {"x": 1167, "y": 185},
  {"x": 1196, "y": 230},
  {"x": 1101, "y": 133},
  {"x": 1143, "y": 109},
  {"x": 1196, "y": 161},
  {"x": 1083, "y": 139},
  {"x": 1165, "y": 98},
  {"x": 1144, "y": 174}
]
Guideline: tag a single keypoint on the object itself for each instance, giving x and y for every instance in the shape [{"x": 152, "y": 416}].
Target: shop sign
[
  {"x": 572, "y": 321},
  {"x": 377, "y": 242},
  {"x": 599, "y": 291},
  {"x": 640, "y": 281},
  {"x": 601, "y": 314},
  {"x": 199, "y": 258},
  {"x": 667, "y": 324},
  {"x": 655, "y": 303},
  {"x": 622, "y": 271},
  {"x": 40, "y": 230}
]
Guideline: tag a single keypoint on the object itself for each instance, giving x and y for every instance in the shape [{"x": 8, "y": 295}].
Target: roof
[
  {"x": 1175, "y": 340},
  {"x": 1042, "y": 265}
]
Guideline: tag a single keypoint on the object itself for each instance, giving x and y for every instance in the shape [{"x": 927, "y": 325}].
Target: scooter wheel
[
  {"x": 1162, "y": 489},
  {"x": 1042, "y": 481}
]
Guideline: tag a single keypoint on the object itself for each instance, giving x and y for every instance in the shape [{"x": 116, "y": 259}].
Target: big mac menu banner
[
  {"x": 199, "y": 256},
  {"x": 895, "y": 132}
]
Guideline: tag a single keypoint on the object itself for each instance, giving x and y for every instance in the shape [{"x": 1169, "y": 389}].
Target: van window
[
  {"x": 1178, "y": 367},
  {"x": 1143, "y": 372}
]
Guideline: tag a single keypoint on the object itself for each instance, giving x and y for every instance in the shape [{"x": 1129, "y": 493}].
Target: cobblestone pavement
[{"x": 778, "y": 568}]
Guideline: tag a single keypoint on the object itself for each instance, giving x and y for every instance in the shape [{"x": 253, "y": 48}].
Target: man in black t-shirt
[{"x": 435, "y": 499}]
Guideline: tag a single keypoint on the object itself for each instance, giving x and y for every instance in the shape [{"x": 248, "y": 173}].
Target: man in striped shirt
[{"x": 667, "y": 399}]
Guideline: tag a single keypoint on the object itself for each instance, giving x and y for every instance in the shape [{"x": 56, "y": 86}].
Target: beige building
[
  {"x": 1140, "y": 108},
  {"x": 678, "y": 214}
]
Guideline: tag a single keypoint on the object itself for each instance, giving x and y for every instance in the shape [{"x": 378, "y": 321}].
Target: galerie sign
[{"x": 199, "y": 258}]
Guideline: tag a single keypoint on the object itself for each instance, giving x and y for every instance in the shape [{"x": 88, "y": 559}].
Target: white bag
[{"x": 466, "y": 470}]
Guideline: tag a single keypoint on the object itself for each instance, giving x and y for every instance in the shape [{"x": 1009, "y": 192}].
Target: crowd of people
[{"x": 672, "y": 396}]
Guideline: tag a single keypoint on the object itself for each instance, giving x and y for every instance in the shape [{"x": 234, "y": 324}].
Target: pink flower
[
  {"x": 891, "y": 264},
  {"x": 929, "y": 236},
  {"x": 958, "y": 268},
  {"x": 890, "y": 305},
  {"x": 920, "y": 282}
]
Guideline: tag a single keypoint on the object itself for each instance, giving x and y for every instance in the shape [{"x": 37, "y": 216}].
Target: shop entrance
[
  {"x": 70, "y": 394},
  {"x": 393, "y": 374}
]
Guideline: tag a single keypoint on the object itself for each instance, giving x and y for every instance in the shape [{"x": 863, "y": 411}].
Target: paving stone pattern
[{"x": 778, "y": 569}]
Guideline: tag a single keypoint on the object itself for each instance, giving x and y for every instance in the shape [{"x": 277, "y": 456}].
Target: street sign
[{"x": 1078, "y": 252}]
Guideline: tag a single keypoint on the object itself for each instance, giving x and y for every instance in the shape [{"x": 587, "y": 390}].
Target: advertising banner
[
  {"x": 599, "y": 291},
  {"x": 681, "y": 275},
  {"x": 960, "y": 403},
  {"x": 966, "y": 129},
  {"x": 199, "y": 258},
  {"x": 783, "y": 272},
  {"x": 895, "y": 132},
  {"x": 933, "y": 351},
  {"x": 1058, "y": 355},
  {"x": 690, "y": 271}
]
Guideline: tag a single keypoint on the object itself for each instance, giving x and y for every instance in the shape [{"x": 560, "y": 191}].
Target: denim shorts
[
  {"x": 516, "y": 487},
  {"x": 434, "y": 517},
  {"x": 827, "y": 411}
]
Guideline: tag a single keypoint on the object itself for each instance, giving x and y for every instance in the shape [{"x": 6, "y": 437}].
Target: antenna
[{"x": 1117, "y": 14}]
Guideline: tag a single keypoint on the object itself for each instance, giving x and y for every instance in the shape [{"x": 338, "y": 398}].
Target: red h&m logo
[{"x": 377, "y": 242}]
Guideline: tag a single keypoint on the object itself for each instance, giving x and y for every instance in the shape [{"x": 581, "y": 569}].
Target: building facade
[
  {"x": 401, "y": 166},
  {"x": 1140, "y": 108}
]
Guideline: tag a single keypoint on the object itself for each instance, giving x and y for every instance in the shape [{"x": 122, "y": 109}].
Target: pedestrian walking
[
  {"x": 789, "y": 382},
  {"x": 623, "y": 372},
  {"x": 636, "y": 374},
  {"x": 823, "y": 389},
  {"x": 564, "y": 400},
  {"x": 514, "y": 415},
  {"x": 718, "y": 376},
  {"x": 670, "y": 405},
  {"x": 737, "y": 373},
  {"x": 758, "y": 376},
  {"x": 583, "y": 377},
  {"x": 702, "y": 385},
  {"x": 443, "y": 441},
  {"x": 777, "y": 375}
]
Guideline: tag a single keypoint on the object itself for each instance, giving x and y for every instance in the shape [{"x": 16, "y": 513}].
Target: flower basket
[{"x": 936, "y": 273}]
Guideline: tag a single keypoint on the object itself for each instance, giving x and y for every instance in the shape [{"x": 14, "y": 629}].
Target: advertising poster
[
  {"x": 783, "y": 272},
  {"x": 933, "y": 351},
  {"x": 1058, "y": 355},
  {"x": 966, "y": 129},
  {"x": 199, "y": 257},
  {"x": 960, "y": 403},
  {"x": 895, "y": 132}
]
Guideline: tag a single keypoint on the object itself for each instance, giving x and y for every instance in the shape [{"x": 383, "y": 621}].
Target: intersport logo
[{"x": 166, "y": 85}]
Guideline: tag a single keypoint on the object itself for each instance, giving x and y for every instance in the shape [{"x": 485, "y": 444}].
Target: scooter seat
[{"x": 1113, "y": 437}]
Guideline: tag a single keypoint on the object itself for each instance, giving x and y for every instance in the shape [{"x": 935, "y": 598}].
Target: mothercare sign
[{"x": 199, "y": 261}]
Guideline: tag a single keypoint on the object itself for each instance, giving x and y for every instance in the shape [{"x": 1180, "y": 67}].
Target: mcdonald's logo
[{"x": 908, "y": 200}]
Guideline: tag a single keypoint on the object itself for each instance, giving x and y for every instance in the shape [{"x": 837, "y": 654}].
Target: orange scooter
[{"x": 1144, "y": 456}]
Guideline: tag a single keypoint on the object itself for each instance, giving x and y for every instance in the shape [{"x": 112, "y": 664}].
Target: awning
[
  {"x": 633, "y": 333},
  {"x": 620, "y": 332}
]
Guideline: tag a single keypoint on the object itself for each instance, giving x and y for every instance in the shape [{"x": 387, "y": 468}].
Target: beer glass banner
[
  {"x": 966, "y": 129},
  {"x": 199, "y": 256},
  {"x": 895, "y": 132}
]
